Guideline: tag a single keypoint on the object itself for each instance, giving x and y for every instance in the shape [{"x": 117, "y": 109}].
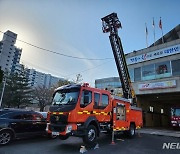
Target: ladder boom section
[{"x": 111, "y": 24}]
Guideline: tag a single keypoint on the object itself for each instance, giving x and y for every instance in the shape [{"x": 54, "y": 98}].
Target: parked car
[
  {"x": 15, "y": 123},
  {"x": 45, "y": 114}
]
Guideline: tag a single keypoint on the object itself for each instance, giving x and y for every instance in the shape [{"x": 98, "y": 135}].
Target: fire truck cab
[{"x": 83, "y": 111}]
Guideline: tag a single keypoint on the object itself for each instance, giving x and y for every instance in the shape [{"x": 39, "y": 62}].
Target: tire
[
  {"x": 5, "y": 137},
  {"x": 90, "y": 135},
  {"x": 63, "y": 137},
  {"x": 131, "y": 131}
]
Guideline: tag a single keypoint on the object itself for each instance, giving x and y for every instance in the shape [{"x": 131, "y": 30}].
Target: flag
[
  {"x": 153, "y": 24},
  {"x": 160, "y": 23},
  {"x": 146, "y": 30},
  {"x": 120, "y": 25}
]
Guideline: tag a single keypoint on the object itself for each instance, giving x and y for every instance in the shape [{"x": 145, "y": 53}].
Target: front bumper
[
  {"x": 57, "y": 128},
  {"x": 175, "y": 123},
  {"x": 71, "y": 129}
]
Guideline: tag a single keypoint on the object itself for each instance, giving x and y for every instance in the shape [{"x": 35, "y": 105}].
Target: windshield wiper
[{"x": 70, "y": 103}]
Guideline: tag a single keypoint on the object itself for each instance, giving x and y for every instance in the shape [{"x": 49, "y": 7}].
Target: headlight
[
  {"x": 68, "y": 129},
  {"x": 174, "y": 122}
]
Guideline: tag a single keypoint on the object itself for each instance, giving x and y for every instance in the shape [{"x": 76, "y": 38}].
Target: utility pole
[{"x": 4, "y": 85}]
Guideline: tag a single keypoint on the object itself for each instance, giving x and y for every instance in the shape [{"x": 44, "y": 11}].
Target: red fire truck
[
  {"x": 79, "y": 110},
  {"x": 83, "y": 111},
  {"x": 175, "y": 117}
]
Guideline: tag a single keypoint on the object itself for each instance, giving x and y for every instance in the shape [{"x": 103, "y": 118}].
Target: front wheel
[
  {"x": 90, "y": 135},
  {"x": 5, "y": 137}
]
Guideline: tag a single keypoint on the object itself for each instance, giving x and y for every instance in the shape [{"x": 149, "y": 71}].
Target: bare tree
[
  {"x": 63, "y": 82},
  {"x": 43, "y": 96},
  {"x": 78, "y": 78}
]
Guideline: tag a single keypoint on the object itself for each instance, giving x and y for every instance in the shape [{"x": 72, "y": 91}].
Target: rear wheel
[
  {"x": 90, "y": 135},
  {"x": 5, "y": 137},
  {"x": 131, "y": 131}
]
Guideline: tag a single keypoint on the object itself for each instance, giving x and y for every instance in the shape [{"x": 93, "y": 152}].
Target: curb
[{"x": 161, "y": 132}]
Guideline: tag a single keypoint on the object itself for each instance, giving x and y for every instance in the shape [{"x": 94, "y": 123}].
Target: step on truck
[{"x": 83, "y": 111}]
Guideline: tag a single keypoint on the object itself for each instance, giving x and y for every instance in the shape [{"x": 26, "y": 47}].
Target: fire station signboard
[
  {"x": 158, "y": 85},
  {"x": 154, "y": 54}
]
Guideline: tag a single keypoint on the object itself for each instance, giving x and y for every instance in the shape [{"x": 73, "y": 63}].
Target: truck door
[
  {"x": 85, "y": 105},
  {"x": 119, "y": 117}
]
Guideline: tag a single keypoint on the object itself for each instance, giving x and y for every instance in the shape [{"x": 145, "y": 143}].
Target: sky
[{"x": 74, "y": 28}]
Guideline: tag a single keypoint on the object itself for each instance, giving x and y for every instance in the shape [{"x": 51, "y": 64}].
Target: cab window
[
  {"x": 86, "y": 98},
  {"x": 96, "y": 100},
  {"x": 105, "y": 100}
]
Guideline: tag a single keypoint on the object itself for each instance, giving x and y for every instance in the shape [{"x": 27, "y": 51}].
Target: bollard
[{"x": 112, "y": 142}]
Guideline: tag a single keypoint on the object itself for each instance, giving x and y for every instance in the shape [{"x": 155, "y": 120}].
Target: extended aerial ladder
[{"x": 111, "y": 23}]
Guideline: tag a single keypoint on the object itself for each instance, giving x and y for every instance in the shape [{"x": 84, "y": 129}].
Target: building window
[
  {"x": 175, "y": 67},
  {"x": 137, "y": 74},
  {"x": 163, "y": 69},
  {"x": 131, "y": 73},
  {"x": 151, "y": 109},
  {"x": 148, "y": 72}
]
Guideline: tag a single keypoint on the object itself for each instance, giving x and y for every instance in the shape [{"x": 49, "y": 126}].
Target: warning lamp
[{"x": 86, "y": 84}]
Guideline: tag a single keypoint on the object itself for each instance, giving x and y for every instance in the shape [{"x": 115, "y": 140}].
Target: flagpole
[
  {"x": 154, "y": 31},
  {"x": 2, "y": 94},
  {"x": 162, "y": 36},
  {"x": 160, "y": 26},
  {"x": 146, "y": 31}
]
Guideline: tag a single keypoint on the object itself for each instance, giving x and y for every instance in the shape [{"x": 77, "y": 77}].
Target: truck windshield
[
  {"x": 176, "y": 112},
  {"x": 66, "y": 96}
]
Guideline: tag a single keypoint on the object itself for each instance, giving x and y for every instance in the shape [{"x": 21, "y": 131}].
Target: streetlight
[{"x": 3, "y": 91}]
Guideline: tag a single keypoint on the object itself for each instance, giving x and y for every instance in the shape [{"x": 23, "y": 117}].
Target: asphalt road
[{"x": 146, "y": 144}]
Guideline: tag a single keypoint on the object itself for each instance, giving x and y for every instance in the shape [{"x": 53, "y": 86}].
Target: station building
[{"x": 155, "y": 74}]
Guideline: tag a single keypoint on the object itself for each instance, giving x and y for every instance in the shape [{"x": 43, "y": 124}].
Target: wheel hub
[
  {"x": 132, "y": 131},
  {"x": 91, "y": 134},
  {"x": 4, "y": 138}
]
